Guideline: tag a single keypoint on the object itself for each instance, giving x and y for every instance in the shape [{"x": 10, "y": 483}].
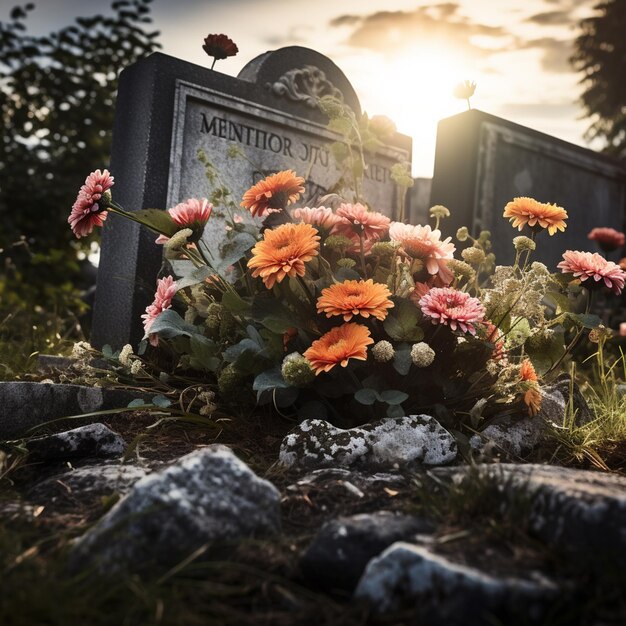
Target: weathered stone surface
[
  {"x": 343, "y": 547},
  {"x": 92, "y": 440},
  {"x": 87, "y": 482},
  {"x": 446, "y": 593},
  {"x": 361, "y": 480},
  {"x": 581, "y": 512},
  {"x": 385, "y": 443},
  {"x": 208, "y": 495},
  {"x": 516, "y": 437},
  {"x": 25, "y": 405}
]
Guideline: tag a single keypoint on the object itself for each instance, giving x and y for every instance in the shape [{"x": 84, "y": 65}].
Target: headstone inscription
[
  {"x": 483, "y": 161},
  {"x": 168, "y": 110}
]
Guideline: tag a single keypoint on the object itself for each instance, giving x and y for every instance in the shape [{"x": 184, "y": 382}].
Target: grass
[{"x": 600, "y": 442}]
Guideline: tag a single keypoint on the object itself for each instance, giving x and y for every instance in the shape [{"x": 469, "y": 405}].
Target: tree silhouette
[
  {"x": 57, "y": 101},
  {"x": 600, "y": 54}
]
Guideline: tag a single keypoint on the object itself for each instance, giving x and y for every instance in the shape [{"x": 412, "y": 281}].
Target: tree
[
  {"x": 57, "y": 102},
  {"x": 600, "y": 54}
]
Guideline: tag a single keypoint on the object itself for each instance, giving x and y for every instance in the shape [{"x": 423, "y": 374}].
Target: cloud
[
  {"x": 556, "y": 53},
  {"x": 552, "y": 18},
  {"x": 390, "y": 31}
]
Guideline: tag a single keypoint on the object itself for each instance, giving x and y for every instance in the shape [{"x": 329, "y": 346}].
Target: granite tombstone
[
  {"x": 168, "y": 110},
  {"x": 482, "y": 162}
]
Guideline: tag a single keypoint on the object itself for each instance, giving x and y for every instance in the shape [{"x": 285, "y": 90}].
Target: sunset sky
[{"x": 403, "y": 56}]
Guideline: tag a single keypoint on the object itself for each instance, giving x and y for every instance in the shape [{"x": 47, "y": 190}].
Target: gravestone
[
  {"x": 167, "y": 110},
  {"x": 482, "y": 162}
]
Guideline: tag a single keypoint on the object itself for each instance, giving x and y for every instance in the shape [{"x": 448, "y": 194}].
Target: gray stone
[
  {"x": 518, "y": 436},
  {"x": 206, "y": 496},
  {"x": 343, "y": 547},
  {"x": 385, "y": 443},
  {"x": 446, "y": 593},
  {"x": 92, "y": 440},
  {"x": 578, "y": 511},
  {"x": 25, "y": 405},
  {"x": 167, "y": 109},
  {"x": 362, "y": 480},
  {"x": 90, "y": 481},
  {"x": 483, "y": 161}
]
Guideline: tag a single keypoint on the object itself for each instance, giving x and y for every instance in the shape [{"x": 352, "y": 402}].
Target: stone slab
[{"x": 483, "y": 161}]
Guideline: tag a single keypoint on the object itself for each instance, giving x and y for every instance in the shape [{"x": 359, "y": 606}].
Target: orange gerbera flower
[
  {"x": 273, "y": 193},
  {"x": 338, "y": 346},
  {"x": 522, "y": 211},
  {"x": 532, "y": 399},
  {"x": 527, "y": 371},
  {"x": 355, "y": 297},
  {"x": 283, "y": 252}
]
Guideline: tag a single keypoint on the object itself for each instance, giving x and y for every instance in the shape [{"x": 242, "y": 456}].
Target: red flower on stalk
[
  {"x": 89, "y": 209},
  {"x": 608, "y": 239},
  {"x": 219, "y": 47}
]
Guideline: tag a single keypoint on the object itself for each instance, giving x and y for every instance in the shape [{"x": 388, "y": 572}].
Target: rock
[
  {"x": 342, "y": 548},
  {"x": 583, "y": 412},
  {"x": 25, "y": 405},
  {"x": 206, "y": 496},
  {"x": 92, "y": 440},
  {"x": 91, "y": 481},
  {"x": 361, "y": 480},
  {"x": 386, "y": 443},
  {"x": 446, "y": 593},
  {"x": 516, "y": 437},
  {"x": 581, "y": 512}
]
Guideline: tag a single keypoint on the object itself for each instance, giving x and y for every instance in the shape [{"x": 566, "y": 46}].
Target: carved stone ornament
[{"x": 306, "y": 84}]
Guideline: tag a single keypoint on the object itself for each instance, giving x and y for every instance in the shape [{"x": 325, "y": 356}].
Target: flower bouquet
[{"x": 337, "y": 312}]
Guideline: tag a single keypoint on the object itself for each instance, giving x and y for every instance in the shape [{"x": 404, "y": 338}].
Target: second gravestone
[
  {"x": 168, "y": 111},
  {"x": 483, "y": 161}
]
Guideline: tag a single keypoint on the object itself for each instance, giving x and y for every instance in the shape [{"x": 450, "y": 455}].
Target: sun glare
[{"x": 416, "y": 90}]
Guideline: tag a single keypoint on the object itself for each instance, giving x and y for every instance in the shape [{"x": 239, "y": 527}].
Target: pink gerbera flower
[
  {"x": 608, "y": 239},
  {"x": 356, "y": 221},
  {"x": 584, "y": 265},
  {"x": 89, "y": 209},
  {"x": 192, "y": 213},
  {"x": 165, "y": 291},
  {"x": 423, "y": 243},
  {"x": 456, "y": 309},
  {"x": 322, "y": 217}
]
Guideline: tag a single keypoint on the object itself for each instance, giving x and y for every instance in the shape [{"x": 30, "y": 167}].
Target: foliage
[
  {"x": 57, "y": 95},
  {"x": 600, "y": 55}
]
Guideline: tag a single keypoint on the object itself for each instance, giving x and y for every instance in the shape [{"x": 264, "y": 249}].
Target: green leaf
[
  {"x": 135, "y": 403},
  {"x": 233, "y": 353},
  {"x": 366, "y": 396},
  {"x": 224, "y": 247},
  {"x": 234, "y": 303},
  {"x": 586, "y": 320},
  {"x": 393, "y": 396},
  {"x": 170, "y": 324},
  {"x": 345, "y": 273},
  {"x": 198, "y": 275},
  {"x": 402, "y": 323},
  {"x": 402, "y": 360},
  {"x": 204, "y": 353},
  {"x": 157, "y": 220},
  {"x": 161, "y": 401},
  {"x": 395, "y": 410},
  {"x": 547, "y": 353},
  {"x": 269, "y": 380}
]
